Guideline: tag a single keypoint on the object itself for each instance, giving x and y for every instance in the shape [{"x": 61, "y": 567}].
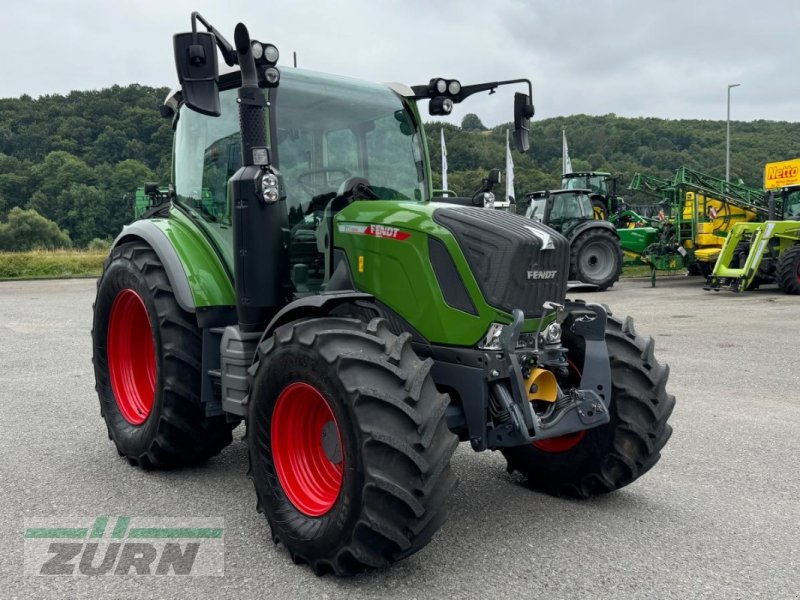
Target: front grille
[{"x": 501, "y": 249}]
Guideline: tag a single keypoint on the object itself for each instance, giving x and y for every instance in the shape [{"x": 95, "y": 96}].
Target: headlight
[
  {"x": 257, "y": 49},
  {"x": 488, "y": 200},
  {"x": 491, "y": 341},
  {"x": 552, "y": 333},
  {"x": 440, "y": 105},
  {"x": 269, "y": 188},
  {"x": 272, "y": 75},
  {"x": 441, "y": 86},
  {"x": 271, "y": 53},
  {"x": 453, "y": 87}
]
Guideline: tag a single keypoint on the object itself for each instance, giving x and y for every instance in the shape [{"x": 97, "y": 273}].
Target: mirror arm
[
  {"x": 423, "y": 91},
  {"x": 225, "y": 48}
]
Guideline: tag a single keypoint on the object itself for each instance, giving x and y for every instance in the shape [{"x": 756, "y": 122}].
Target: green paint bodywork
[
  {"x": 199, "y": 251},
  {"x": 399, "y": 273}
]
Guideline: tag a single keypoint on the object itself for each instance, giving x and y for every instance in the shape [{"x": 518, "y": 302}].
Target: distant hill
[
  {"x": 615, "y": 144},
  {"x": 77, "y": 159}
]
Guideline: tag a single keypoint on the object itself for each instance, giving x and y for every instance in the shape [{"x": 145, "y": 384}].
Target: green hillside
[{"x": 77, "y": 159}]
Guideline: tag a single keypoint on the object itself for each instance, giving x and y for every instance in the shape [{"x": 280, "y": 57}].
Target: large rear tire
[
  {"x": 147, "y": 365},
  {"x": 596, "y": 258},
  {"x": 788, "y": 270},
  {"x": 611, "y": 456},
  {"x": 348, "y": 444}
]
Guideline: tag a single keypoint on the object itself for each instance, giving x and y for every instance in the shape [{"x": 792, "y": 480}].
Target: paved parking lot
[{"x": 718, "y": 517}]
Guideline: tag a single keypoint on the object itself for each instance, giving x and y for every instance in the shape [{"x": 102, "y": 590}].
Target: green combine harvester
[{"x": 296, "y": 275}]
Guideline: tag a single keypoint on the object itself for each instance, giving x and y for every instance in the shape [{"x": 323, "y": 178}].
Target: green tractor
[
  {"x": 359, "y": 329},
  {"x": 595, "y": 252},
  {"x": 602, "y": 190}
]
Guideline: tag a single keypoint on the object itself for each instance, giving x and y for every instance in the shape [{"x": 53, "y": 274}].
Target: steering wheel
[{"x": 318, "y": 181}]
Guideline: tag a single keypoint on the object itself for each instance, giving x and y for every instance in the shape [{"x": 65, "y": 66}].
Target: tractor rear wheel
[
  {"x": 596, "y": 258},
  {"x": 147, "y": 365},
  {"x": 788, "y": 270},
  {"x": 611, "y": 456},
  {"x": 348, "y": 444}
]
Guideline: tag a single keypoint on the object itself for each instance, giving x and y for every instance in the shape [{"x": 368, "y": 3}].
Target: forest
[{"x": 70, "y": 164}]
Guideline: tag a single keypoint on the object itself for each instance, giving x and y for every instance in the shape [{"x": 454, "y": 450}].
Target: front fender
[{"x": 196, "y": 273}]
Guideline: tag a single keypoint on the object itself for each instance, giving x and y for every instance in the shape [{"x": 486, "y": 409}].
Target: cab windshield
[
  {"x": 597, "y": 183},
  {"x": 330, "y": 129}
]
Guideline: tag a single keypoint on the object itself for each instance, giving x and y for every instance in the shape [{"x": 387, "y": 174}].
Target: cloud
[{"x": 631, "y": 58}]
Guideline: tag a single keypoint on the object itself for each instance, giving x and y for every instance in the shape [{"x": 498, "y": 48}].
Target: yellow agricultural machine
[{"x": 758, "y": 253}]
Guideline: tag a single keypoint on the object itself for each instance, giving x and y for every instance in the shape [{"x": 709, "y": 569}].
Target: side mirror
[
  {"x": 196, "y": 63},
  {"x": 523, "y": 111}
]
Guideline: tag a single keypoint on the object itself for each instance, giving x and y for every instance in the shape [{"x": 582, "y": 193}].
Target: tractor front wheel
[
  {"x": 147, "y": 365},
  {"x": 596, "y": 257},
  {"x": 611, "y": 456},
  {"x": 348, "y": 444},
  {"x": 788, "y": 270}
]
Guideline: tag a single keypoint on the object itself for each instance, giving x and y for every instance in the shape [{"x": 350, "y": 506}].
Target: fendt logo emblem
[
  {"x": 541, "y": 275},
  {"x": 374, "y": 230}
]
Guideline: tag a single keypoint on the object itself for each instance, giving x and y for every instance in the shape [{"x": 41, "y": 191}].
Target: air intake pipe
[{"x": 257, "y": 237}]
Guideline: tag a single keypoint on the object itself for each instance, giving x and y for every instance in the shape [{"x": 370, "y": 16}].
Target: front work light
[{"x": 440, "y": 105}]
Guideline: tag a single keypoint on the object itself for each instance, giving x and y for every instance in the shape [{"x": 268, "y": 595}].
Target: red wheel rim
[
  {"x": 563, "y": 442},
  {"x": 131, "y": 357},
  {"x": 307, "y": 449}
]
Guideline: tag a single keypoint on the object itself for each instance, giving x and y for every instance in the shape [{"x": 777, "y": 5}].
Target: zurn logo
[{"x": 95, "y": 546}]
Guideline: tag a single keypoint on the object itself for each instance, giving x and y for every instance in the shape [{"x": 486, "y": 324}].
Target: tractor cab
[
  {"x": 602, "y": 189},
  {"x": 330, "y": 134},
  {"x": 559, "y": 209}
]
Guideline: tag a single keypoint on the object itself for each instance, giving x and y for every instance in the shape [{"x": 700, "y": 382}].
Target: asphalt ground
[{"x": 718, "y": 517}]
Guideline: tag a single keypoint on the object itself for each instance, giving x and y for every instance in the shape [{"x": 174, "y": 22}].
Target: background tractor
[
  {"x": 595, "y": 252},
  {"x": 758, "y": 253},
  {"x": 602, "y": 190},
  {"x": 297, "y": 276}
]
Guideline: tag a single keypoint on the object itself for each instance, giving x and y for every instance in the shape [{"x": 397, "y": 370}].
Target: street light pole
[{"x": 728, "y": 136}]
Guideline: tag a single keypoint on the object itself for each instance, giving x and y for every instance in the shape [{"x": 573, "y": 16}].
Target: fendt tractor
[{"x": 297, "y": 276}]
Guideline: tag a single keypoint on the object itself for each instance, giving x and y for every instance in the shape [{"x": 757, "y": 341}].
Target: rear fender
[{"x": 591, "y": 225}]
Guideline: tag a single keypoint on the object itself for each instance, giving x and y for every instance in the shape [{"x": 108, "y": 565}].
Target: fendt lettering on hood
[{"x": 374, "y": 230}]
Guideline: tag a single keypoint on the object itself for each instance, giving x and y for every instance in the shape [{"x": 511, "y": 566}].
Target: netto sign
[{"x": 782, "y": 174}]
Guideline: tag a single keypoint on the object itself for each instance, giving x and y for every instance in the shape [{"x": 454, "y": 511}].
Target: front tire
[
  {"x": 348, "y": 444},
  {"x": 596, "y": 258},
  {"x": 788, "y": 270},
  {"x": 147, "y": 355},
  {"x": 606, "y": 458}
]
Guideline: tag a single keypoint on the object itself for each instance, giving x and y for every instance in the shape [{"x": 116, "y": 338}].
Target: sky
[{"x": 669, "y": 59}]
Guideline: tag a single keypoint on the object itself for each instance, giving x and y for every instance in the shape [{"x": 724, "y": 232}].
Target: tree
[
  {"x": 27, "y": 229},
  {"x": 471, "y": 122}
]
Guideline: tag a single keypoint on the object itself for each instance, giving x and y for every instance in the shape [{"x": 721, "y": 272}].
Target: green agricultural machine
[
  {"x": 697, "y": 211},
  {"x": 305, "y": 284},
  {"x": 758, "y": 253},
  {"x": 595, "y": 252}
]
